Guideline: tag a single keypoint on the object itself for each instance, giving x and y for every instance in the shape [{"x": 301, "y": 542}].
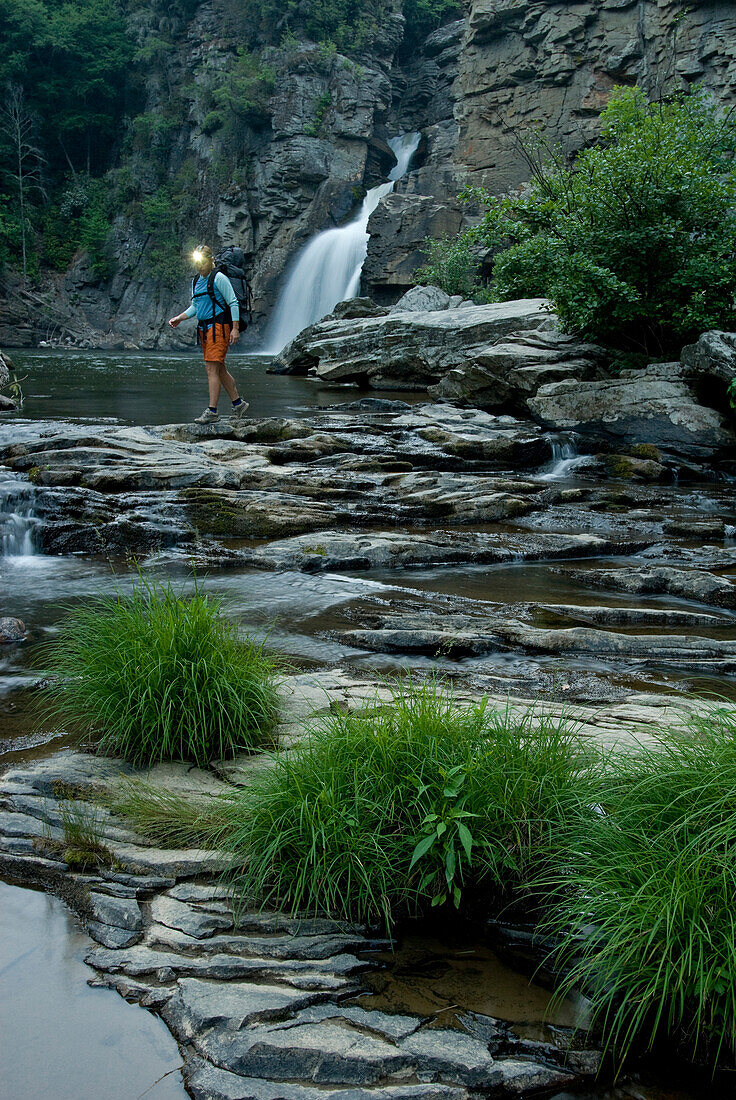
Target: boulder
[
  {"x": 356, "y": 307},
  {"x": 505, "y": 374},
  {"x": 398, "y": 231},
  {"x": 713, "y": 354},
  {"x": 710, "y": 367},
  {"x": 642, "y": 406},
  {"x": 12, "y": 630},
  {"x": 421, "y": 299},
  {"x": 411, "y": 350}
]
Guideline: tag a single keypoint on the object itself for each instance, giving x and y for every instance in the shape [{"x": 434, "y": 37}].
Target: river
[{"x": 57, "y": 1023}]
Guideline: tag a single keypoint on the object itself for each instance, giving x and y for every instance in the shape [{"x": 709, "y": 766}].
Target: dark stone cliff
[{"x": 472, "y": 87}]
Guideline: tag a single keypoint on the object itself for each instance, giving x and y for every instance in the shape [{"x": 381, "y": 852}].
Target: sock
[
  {"x": 213, "y": 408},
  {"x": 237, "y": 401}
]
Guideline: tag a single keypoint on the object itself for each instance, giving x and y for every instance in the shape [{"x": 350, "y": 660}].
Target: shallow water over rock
[
  {"x": 379, "y": 536},
  {"x": 59, "y": 1037},
  {"x": 155, "y": 387}
]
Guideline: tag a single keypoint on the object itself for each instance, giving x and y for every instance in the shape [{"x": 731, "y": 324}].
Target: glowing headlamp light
[{"x": 197, "y": 256}]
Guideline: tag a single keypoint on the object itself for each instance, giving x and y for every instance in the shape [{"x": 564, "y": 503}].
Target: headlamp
[{"x": 197, "y": 256}]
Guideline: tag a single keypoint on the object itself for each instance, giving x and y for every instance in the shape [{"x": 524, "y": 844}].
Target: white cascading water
[
  {"x": 328, "y": 268},
  {"x": 17, "y": 519},
  {"x": 564, "y": 457}
]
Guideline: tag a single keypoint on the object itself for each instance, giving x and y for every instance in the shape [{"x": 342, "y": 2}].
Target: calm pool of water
[
  {"x": 156, "y": 387},
  {"x": 58, "y": 1037}
]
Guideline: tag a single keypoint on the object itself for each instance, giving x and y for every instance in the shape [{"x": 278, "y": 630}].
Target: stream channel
[{"x": 86, "y": 1041}]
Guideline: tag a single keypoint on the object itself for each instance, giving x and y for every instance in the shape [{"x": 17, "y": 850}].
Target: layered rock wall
[
  {"x": 554, "y": 65},
  {"x": 484, "y": 84},
  {"x": 475, "y": 87}
]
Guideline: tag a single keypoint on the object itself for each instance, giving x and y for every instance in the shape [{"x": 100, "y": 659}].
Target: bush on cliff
[
  {"x": 159, "y": 676},
  {"x": 635, "y": 243}
]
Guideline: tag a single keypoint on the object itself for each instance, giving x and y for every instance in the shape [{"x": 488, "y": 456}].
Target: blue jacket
[{"x": 205, "y": 309}]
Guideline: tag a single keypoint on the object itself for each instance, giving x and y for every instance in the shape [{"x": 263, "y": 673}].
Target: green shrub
[
  {"x": 402, "y": 807},
  {"x": 322, "y": 105},
  {"x": 452, "y": 265},
  {"x": 245, "y": 92},
  {"x": 635, "y": 242},
  {"x": 163, "y": 256},
  {"x": 80, "y": 220},
  {"x": 159, "y": 676},
  {"x": 646, "y": 895},
  {"x": 424, "y": 16}
]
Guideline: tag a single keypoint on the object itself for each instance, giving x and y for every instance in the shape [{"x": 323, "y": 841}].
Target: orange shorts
[{"x": 215, "y": 342}]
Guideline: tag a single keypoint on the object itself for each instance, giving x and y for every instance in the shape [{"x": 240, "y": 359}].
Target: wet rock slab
[{"x": 261, "y": 1002}]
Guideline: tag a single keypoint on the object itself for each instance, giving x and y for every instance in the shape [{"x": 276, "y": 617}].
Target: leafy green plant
[
  {"x": 80, "y": 220},
  {"x": 635, "y": 243},
  {"x": 160, "y": 676},
  {"x": 321, "y": 106},
  {"x": 446, "y": 839},
  {"x": 244, "y": 92},
  {"x": 423, "y": 16},
  {"x": 163, "y": 256},
  {"x": 452, "y": 265},
  {"x": 644, "y": 896}
]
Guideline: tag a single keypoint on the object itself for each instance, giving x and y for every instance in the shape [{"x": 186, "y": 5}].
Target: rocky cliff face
[
  {"x": 512, "y": 67},
  {"x": 474, "y": 86}
]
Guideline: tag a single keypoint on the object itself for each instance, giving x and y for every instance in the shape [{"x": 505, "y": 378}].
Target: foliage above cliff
[
  {"x": 353, "y": 26},
  {"x": 635, "y": 242},
  {"x": 73, "y": 61}
]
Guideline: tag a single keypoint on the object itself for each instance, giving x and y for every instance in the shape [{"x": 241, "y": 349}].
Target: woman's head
[{"x": 203, "y": 259}]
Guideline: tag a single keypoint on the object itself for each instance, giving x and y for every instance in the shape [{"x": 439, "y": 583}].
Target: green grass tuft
[
  {"x": 646, "y": 896},
  {"x": 170, "y": 819},
  {"x": 159, "y": 676},
  {"x": 402, "y": 807}
]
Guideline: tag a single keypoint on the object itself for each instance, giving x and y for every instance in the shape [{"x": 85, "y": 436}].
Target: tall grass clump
[
  {"x": 646, "y": 896},
  {"x": 404, "y": 807},
  {"x": 161, "y": 676}
]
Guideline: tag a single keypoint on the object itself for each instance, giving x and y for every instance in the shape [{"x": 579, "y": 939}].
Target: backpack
[{"x": 231, "y": 262}]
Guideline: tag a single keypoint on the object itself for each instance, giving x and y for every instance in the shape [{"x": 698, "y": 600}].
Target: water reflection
[{"x": 76, "y": 1043}]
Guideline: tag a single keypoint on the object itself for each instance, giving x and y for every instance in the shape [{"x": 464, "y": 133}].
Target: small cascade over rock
[
  {"x": 18, "y": 520},
  {"x": 328, "y": 268},
  {"x": 565, "y": 456}
]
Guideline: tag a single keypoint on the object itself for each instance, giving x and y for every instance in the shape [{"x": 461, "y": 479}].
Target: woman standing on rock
[{"x": 216, "y": 307}]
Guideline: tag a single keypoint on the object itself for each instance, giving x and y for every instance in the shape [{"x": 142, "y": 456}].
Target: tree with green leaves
[
  {"x": 73, "y": 60},
  {"x": 635, "y": 241}
]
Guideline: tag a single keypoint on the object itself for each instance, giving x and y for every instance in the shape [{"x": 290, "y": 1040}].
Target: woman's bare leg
[
  {"x": 228, "y": 382},
  {"x": 213, "y": 380}
]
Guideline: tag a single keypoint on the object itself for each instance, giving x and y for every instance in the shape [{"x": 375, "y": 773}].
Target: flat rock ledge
[{"x": 263, "y": 1007}]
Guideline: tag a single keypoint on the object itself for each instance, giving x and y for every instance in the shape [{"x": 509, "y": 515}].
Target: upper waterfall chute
[{"x": 328, "y": 268}]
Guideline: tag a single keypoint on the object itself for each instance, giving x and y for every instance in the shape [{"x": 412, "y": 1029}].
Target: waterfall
[
  {"x": 17, "y": 518},
  {"x": 564, "y": 456},
  {"x": 328, "y": 268}
]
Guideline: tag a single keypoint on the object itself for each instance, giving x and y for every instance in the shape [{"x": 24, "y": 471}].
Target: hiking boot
[
  {"x": 240, "y": 409},
  {"x": 207, "y": 417}
]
